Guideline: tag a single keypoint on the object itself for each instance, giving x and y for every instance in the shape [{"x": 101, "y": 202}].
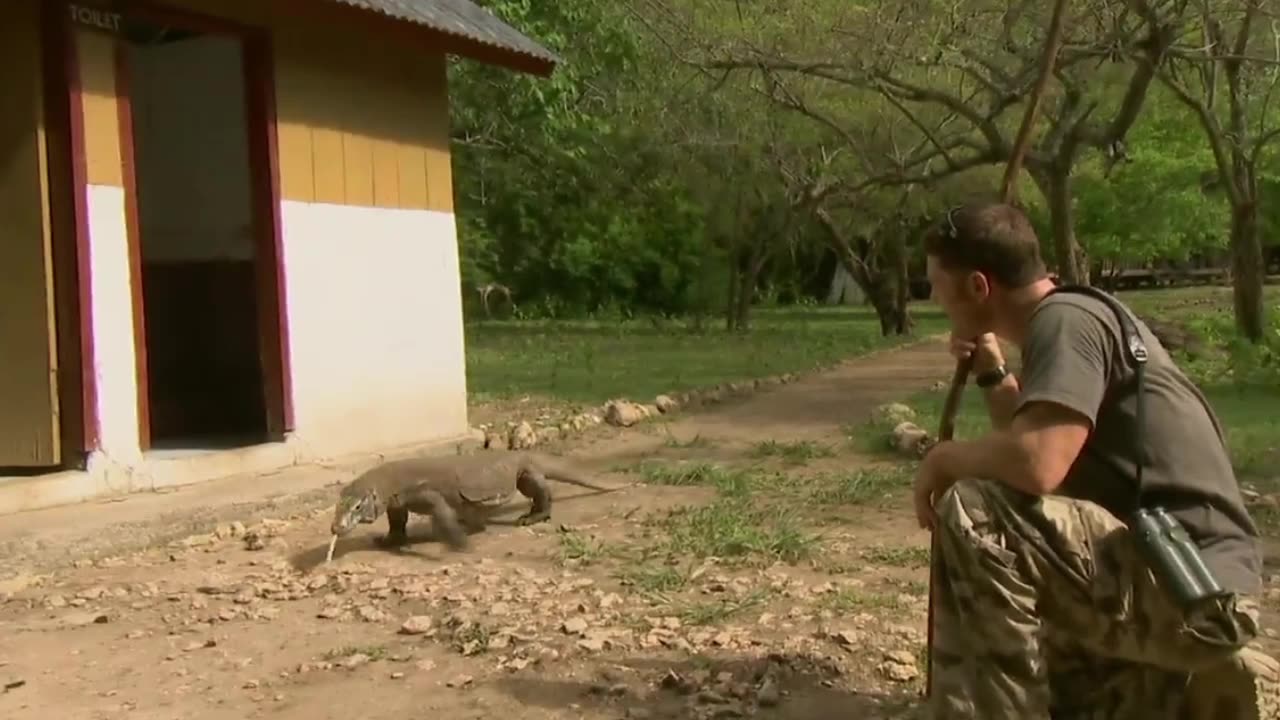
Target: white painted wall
[
  {"x": 375, "y": 326},
  {"x": 195, "y": 197},
  {"x": 111, "y": 300}
]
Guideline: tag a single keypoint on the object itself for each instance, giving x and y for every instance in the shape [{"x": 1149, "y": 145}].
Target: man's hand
[
  {"x": 932, "y": 480},
  {"x": 986, "y": 351}
]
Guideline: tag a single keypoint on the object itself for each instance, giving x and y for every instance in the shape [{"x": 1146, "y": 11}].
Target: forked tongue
[{"x": 333, "y": 544}]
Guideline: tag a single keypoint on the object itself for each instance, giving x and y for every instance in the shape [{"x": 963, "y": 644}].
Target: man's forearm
[
  {"x": 1001, "y": 401},
  {"x": 995, "y": 456}
]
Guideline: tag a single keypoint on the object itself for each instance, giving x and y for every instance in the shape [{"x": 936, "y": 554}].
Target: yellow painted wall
[
  {"x": 29, "y": 432},
  {"x": 360, "y": 121},
  {"x": 96, "y": 60},
  {"x": 361, "y": 128}
]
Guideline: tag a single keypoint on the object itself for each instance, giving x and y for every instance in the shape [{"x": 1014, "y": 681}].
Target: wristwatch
[{"x": 990, "y": 378}]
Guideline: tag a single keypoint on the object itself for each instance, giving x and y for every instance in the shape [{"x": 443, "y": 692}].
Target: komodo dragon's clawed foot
[
  {"x": 532, "y": 518},
  {"x": 455, "y": 538},
  {"x": 392, "y": 541}
]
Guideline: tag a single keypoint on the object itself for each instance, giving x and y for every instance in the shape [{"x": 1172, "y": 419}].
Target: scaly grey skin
[{"x": 457, "y": 491}]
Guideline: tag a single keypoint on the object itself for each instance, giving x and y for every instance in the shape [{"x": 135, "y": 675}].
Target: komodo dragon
[{"x": 451, "y": 489}]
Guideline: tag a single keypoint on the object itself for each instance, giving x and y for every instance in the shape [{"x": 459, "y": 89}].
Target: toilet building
[{"x": 227, "y": 236}]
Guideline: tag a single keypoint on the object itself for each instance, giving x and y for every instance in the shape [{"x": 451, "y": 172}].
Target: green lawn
[{"x": 591, "y": 361}]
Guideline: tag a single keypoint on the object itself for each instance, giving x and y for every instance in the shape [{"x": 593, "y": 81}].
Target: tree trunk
[
  {"x": 893, "y": 316},
  {"x": 1248, "y": 271},
  {"x": 742, "y": 311},
  {"x": 902, "y": 285},
  {"x": 1055, "y": 185},
  {"x": 747, "y": 285},
  {"x": 735, "y": 287},
  {"x": 876, "y": 282}
]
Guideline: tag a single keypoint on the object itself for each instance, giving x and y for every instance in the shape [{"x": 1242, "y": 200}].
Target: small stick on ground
[{"x": 333, "y": 544}]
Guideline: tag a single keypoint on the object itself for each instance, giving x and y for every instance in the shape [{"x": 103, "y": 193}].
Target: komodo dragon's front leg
[
  {"x": 423, "y": 501},
  {"x": 533, "y": 484}
]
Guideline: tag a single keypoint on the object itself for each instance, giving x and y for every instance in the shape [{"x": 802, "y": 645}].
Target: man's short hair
[{"x": 995, "y": 239}]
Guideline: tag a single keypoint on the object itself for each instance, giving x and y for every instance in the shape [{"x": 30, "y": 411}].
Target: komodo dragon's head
[{"x": 354, "y": 508}]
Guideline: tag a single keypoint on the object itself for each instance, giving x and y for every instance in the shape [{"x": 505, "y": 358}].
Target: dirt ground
[{"x": 620, "y": 607}]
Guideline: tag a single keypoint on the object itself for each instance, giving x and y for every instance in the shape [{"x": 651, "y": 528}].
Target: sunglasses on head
[{"x": 951, "y": 232}]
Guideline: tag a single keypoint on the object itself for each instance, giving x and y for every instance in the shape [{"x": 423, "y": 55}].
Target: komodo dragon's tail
[{"x": 563, "y": 473}]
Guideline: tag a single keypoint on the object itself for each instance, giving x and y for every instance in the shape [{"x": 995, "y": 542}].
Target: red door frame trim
[
  {"x": 133, "y": 235},
  {"x": 59, "y": 29},
  {"x": 264, "y": 159},
  {"x": 257, "y": 58}
]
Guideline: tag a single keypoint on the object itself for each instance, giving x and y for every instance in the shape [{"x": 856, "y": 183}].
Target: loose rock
[
  {"x": 900, "y": 666},
  {"x": 460, "y": 681},
  {"x": 909, "y": 438},
  {"x": 894, "y": 414},
  {"x": 521, "y": 436},
  {"x": 622, "y": 413},
  {"x": 417, "y": 625}
]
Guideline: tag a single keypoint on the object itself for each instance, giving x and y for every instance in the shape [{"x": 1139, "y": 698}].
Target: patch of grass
[
  {"x": 796, "y": 452},
  {"x": 718, "y": 611},
  {"x": 732, "y": 527},
  {"x": 374, "y": 652},
  {"x": 918, "y": 588},
  {"x": 655, "y": 578},
  {"x": 861, "y": 486},
  {"x": 728, "y": 481},
  {"x": 850, "y": 600},
  {"x": 897, "y": 556},
  {"x": 591, "y": 360},
  {"x": 580, "y": 548},
  {"x": 472, "y": 638}
]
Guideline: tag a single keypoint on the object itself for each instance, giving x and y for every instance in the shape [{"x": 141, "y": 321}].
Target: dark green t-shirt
[{"x": 1073, "y": 356}]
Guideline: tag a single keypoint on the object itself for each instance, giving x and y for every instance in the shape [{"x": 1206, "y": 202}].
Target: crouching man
[{"x": 1048, "y": 604}]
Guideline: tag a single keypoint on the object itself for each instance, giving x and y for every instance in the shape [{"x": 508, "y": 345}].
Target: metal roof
[{"x": 461, "y": 19}]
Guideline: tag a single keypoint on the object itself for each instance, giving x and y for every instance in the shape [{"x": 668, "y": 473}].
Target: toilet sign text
[{"x": 95, "y": 17}]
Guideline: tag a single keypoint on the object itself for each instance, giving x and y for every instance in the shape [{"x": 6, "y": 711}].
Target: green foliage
[
  {"x": 563, "y": 193},
  {"x": 1152, "y": 208},
  {"x": 631, "y": 183}
]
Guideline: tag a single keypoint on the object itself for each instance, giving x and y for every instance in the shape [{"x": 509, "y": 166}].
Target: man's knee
[
  {"x": 970, "y": 524},
  {"x": 967, "y": 503}
]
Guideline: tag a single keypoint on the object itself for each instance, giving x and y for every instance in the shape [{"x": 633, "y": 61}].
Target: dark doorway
[{"x": 196, "y": 228}]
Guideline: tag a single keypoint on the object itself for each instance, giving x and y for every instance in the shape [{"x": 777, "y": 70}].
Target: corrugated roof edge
[{"x": 544, "y": 60}]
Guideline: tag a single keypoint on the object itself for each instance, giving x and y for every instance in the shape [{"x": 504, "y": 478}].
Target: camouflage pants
[{"x": 1045, "y": 609}]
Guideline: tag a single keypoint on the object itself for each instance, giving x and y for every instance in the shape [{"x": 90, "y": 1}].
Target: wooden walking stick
[{"x": 1008, "y": 194}]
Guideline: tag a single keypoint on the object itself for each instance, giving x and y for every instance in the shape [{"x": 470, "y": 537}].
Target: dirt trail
[
  {"x": 819, "y": 405},
  {"x": 814, "y": 408},
  {"x": 589, "y": 616}
]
